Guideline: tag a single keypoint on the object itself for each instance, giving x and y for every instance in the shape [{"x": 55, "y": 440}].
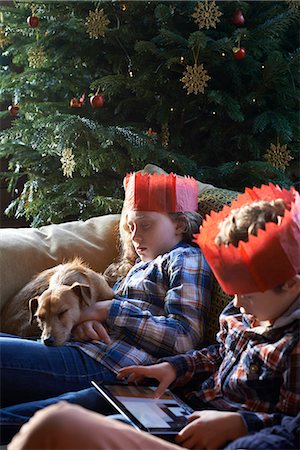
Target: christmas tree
[{"x": 98, "y": 89}]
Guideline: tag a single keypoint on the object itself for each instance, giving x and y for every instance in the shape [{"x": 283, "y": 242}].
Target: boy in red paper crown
[{"x": 248, "y": 381}]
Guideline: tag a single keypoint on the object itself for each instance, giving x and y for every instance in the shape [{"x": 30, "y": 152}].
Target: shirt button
[{"x": 254, "y": 368}]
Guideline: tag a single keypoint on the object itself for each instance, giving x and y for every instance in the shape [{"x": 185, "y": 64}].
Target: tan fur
[{"x": 55, "y": 297}]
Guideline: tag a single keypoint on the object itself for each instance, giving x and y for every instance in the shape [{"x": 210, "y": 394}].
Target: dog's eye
[{"x": 60, "y": 315}]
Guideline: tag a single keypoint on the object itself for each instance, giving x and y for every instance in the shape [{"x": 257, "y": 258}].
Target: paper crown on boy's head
[
  {"x": 263, "y": 262},
  {"x": 161, "y": 193}
]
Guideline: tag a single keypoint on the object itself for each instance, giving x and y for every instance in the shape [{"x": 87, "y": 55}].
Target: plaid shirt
[
  {"x": 252, "y": 370},
  {"x": 159, "y": 309}
]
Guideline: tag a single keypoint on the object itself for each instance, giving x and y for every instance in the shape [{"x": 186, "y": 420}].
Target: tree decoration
[
  {"x": 13, "y": 110},
  {"x": 77, "y": 103},
  {"x": 239, "y": 53},
  {"x": 4, "y": 38},
  {"x": 165, "y": 135},
  {"x": 293, "y": 4},
  {"x": 278, "y": 156},
  {"x": 97, "y": 100},
  {"x": 36, "y": 57},
  {"x": 237, "y": 18},
  {"x": 124, "y": 6},
  {"x": 195, "y": 78},
  {"x": 33, "y": 21},
  {"x": 67, "y": 162},
  {"x": 151, "y": 133},
  {"x": 97, "y": 23},
  {"x": 207, "y": 14}
]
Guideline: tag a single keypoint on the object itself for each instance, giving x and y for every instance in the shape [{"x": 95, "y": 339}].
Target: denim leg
[
  {"x": 13, "y": 417},
  {"x": 32, "y": 371}
]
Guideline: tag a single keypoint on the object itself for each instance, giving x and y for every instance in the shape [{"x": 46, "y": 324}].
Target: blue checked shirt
[
  {"x": 252, "y": 370},
  {"x": 159, "y": 309}
]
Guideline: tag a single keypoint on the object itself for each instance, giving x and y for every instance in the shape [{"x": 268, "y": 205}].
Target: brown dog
[{"x": 55, "y": 298}]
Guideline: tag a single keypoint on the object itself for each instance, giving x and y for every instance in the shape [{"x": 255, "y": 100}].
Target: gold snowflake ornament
[
  {"x": 67, "y": 162},
  {"x": 207, "y": 14},
  {"x": 278, "y": 156},
  {"x": 97, "y": 23},
  {"x": 36, "y": 57},
  {"x": 293, "y": 4},
  {"x": 195, "y": 78},
  {"x": 4, "y": 38}
]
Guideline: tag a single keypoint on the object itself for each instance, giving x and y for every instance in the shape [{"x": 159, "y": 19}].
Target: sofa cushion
[{"x": 25, "y": 252}]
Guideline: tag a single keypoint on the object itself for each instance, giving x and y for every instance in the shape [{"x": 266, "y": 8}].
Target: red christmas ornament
[
  {"x": 13, "y": 110},
  {"x": 75, "y": 103},
  {"x": 150, "y": 132},
  {"x": 239, "y": 53},
  {"x": 237, "y": 18},
  {"x": 97, "y": 101},
  {"x": 33, "y": 21}
]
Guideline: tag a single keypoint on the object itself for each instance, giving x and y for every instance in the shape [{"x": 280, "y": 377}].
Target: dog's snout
[{"x": 49, "y": 341}]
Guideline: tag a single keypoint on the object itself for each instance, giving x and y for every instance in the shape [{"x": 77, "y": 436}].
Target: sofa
[{"x": 25, "y": 252}]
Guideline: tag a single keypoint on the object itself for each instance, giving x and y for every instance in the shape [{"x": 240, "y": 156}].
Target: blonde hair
[
  {"x": 128, "y": 256},
  {"x": 248, "y": 219}
]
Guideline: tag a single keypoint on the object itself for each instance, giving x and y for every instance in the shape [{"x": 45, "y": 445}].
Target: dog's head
[{"x": 57, "y": 311}]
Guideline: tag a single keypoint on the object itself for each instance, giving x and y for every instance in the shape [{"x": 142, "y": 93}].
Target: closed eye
[{"x": 60, "y": 315}]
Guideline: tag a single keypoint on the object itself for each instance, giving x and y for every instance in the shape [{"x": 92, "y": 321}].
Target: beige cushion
[{"x": 25, "y": 252}]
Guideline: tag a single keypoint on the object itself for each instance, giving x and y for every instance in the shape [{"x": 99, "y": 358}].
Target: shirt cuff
[
  {"x": 114, "y": 310},
  {"x": 252, "y": 421},
  {"x": 180, "y": 363}
]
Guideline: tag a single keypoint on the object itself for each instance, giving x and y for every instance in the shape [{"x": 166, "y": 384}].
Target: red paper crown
[
  {"x": 159, "y": 192},
  {"x": 266, "y": 260}
]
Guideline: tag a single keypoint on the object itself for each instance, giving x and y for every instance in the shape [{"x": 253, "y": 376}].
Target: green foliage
[{"x": 220, "y": 136}]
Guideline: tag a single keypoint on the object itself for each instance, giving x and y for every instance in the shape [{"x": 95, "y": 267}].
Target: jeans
[{"x": 34, "y": 376}]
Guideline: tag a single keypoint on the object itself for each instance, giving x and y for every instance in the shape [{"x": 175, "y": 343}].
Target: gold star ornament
[
  {"x": 207, "y": 14},
  {"x": 195, "y": 78},
  {"x": 97, "y": 23},
  {"x": 278, "y": 156}
]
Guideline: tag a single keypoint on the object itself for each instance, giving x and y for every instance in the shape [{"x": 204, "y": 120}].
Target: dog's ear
[
  {"x": 83, "y": 292},
  {"x": 33, "y": 306}
]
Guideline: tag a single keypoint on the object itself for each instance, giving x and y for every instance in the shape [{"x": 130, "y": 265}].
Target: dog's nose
[{"x": 49, "y": 341}]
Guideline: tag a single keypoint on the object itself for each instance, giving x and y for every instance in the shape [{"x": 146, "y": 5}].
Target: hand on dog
[
  {"x": 98, "y": 311},
  {"x": 90, "y": 323},
  {"x": 91, "y": 330}
]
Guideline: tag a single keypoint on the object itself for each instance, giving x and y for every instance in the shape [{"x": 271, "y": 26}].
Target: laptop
[{"x": 163, "y": 417}]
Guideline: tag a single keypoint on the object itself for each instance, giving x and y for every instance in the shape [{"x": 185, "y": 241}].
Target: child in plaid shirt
[
  {"x": 160, "y": 307},
  {"x": 249, "y": 380}
]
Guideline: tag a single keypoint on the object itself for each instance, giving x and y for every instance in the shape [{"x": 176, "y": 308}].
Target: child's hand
[
  {"x": 164, "y": 372},
  {"x": 91, "y": 330},
  {"x": 211, "y": 429},
  {"x": 98, "y": 311}
]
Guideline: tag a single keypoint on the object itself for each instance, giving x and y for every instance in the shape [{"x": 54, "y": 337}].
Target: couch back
[
  {"x": 214, "y": 200},
  {"x": 25, "y": 252}
]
